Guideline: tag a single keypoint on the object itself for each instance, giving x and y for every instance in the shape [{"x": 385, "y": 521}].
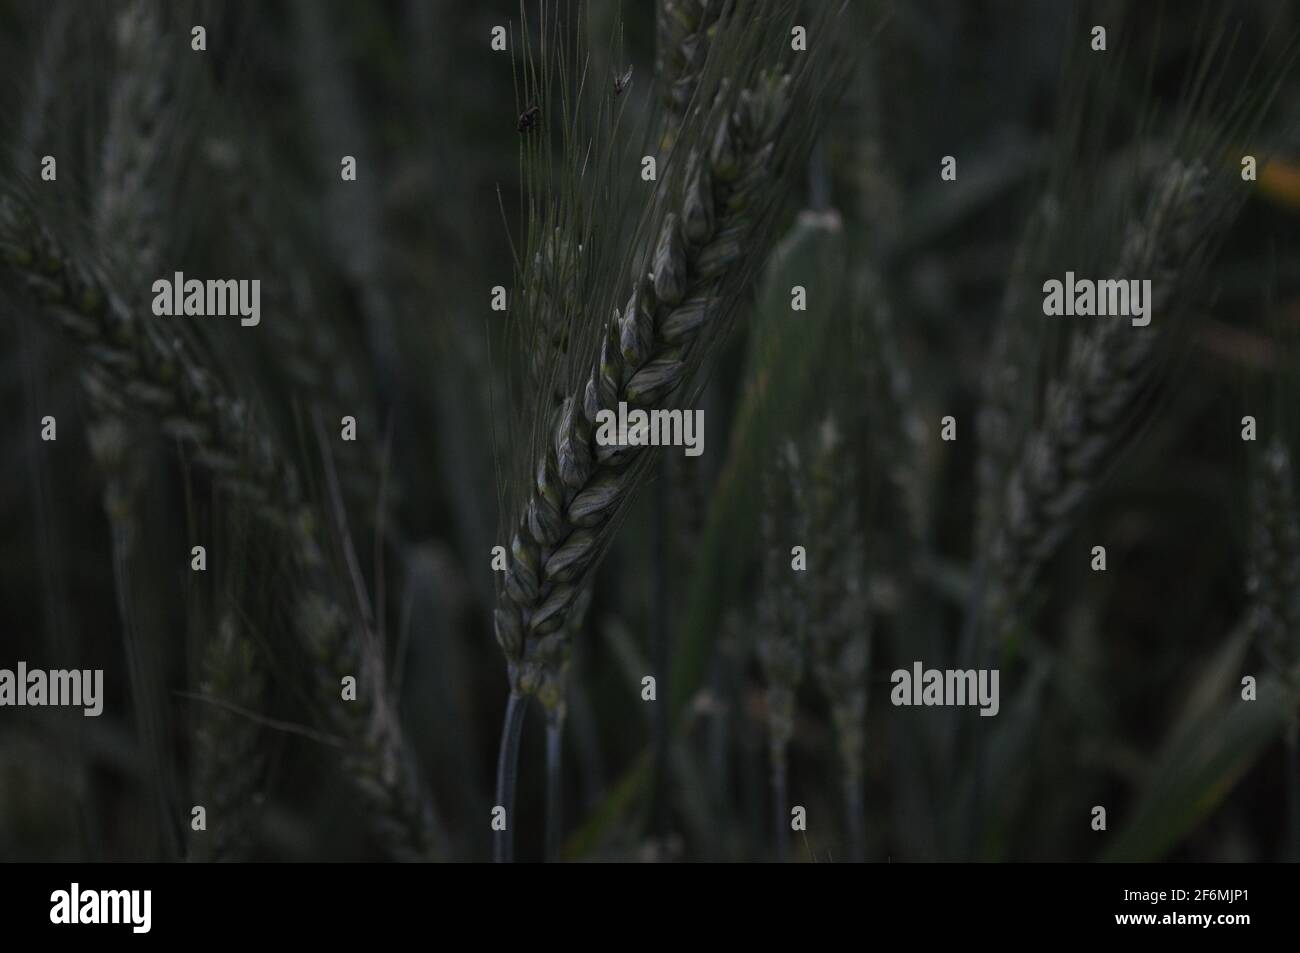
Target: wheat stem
[
  {"x": 512, "y": 730},
  {"x": 554, "y": 786},
  {"x": 660, "y": 654}
]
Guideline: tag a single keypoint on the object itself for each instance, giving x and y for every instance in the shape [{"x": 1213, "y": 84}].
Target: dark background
[{"x": 1128, "y": 694}]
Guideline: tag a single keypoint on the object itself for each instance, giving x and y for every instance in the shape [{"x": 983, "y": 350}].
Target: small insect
[
  {"x": 528, "y": 118},
  {"x": 622, "y": 82}
]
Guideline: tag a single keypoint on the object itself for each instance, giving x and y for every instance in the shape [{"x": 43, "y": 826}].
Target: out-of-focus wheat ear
[
  {"x": 229, "y": 765},
  {"x": 690, "y": 491},
  {"x": 840, "y": 623},
  {"x": 1273, "y": 568},
  {"x": 1107, "y": 367},
  {"x": 376, "y": 758},
  {"x": 307, "y": 347},
  {"x": 120, "y": 456},
  {"x": 897, "y": 427},
  {"x": 35, "y": 129},
  {"x": 154, "y": 373},
  {"x": 782, "y": 625},
  {"x": 1006, "y": 376},
  {"x": 129, "y": 205},
  {"x": 129, "y": 224},
  {"x": 1273, "y": 593}
]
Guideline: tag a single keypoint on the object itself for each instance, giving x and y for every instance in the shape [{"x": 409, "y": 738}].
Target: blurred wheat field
[{"x": 365, "y": 579}]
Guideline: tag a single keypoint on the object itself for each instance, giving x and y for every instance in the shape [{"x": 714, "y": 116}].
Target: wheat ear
[
  {"x": 128, "y": 207},
  {"x": 782, "y": 624},
  {"x": 839, "y": 618},
  {"x": 1273, "y": 590},
  {"x": 647, "y": 353},
  {"x": 1004, "y": 378},
  {"x": 895, "y": 420},
  {"x": 648, "y": 350},
  {"x": 128, "y": 219},
  {"x": 1106, "y": 368},
  {"x": 153, "y": 372},
  {"x": 684, "y": 29},
  {"x": 1273, "y": 578},
  {"x": 229, "y": 760}
]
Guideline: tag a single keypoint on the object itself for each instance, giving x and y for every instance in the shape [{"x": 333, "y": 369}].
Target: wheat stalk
[
  {"x": 552, "y": 693},
  {"x": 154, "y": 372},
  {"x": 647, "y": 351}
]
